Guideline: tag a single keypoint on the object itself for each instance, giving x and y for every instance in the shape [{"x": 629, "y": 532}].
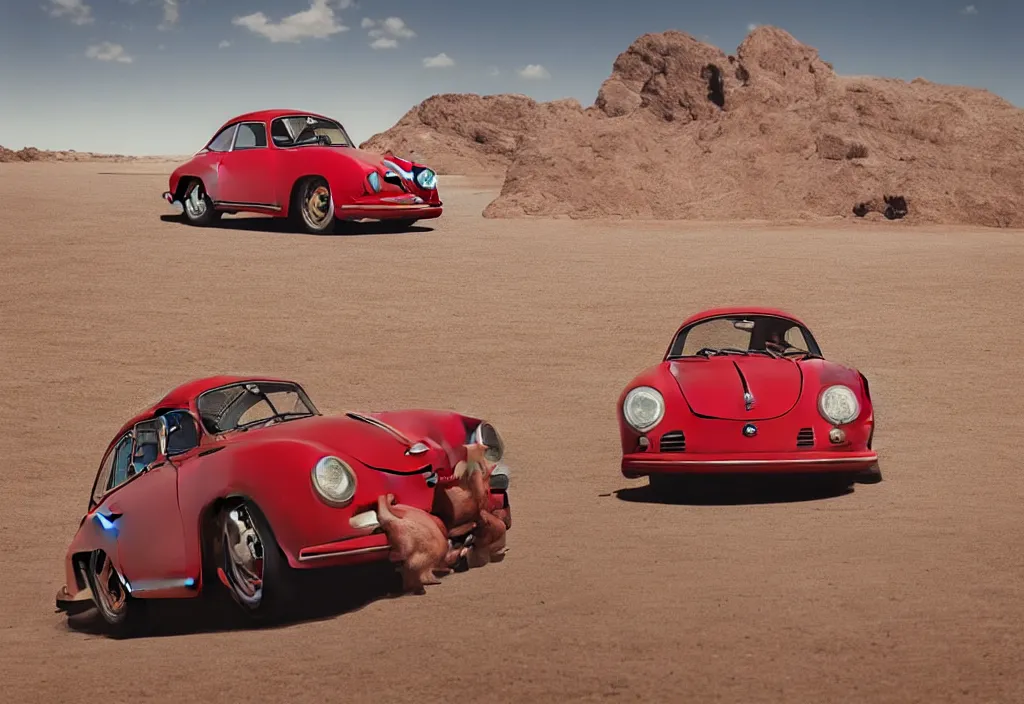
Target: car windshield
[
  {"x": 744, "y": 335},
  {"x": 300, "y": 130},
  {"x": 250, "y": 404}
]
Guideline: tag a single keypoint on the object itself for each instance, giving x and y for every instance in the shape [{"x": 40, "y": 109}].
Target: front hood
[
  {"x": 715, "y": 388},
  {"x": 371, "y": 159},
  {"x": 369, "y": 443}
]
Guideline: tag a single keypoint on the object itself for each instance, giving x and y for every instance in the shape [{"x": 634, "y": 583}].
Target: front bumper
[
  {"x": 647, "y": 463},
  {"x": 71, "y": 605},
  {"x": 385, "y": 211}
]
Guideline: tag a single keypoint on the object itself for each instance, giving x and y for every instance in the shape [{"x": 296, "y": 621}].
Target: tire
[
  {"x": 197, "y": 208},
  {"x": 312, "y": 206},
  {"x": 122, "y": 614},
  {"x": 246, "y": 552}
]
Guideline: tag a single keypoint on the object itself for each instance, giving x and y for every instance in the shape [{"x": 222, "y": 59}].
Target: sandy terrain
[{"x": 907, "y": 591}]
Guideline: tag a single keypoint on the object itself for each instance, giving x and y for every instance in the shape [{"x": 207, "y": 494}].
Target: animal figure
[
  {"x": 488, "y": 538},
  {"x": 418, "y": 542}
]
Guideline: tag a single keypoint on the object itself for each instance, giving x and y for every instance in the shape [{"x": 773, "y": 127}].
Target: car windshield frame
[
  {"x": 760, "y": 321},
  {"x": 212, "y": 420},
  {"x": 316, "y": 142}
]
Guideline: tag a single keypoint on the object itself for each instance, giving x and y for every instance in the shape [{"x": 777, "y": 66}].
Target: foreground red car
[
  {"x": 235, "y": 482},
  {"x": 747, "y": 391},
  {"x": 301, "y": 166}
]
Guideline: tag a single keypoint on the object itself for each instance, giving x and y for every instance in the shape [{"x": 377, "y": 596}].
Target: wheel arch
[
  {"x": 294, "y": 190},
  {"x": 183, "y": 181},
  {"x": 208, "y": 528}
]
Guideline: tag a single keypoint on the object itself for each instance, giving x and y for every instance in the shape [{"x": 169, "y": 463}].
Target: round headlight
[
  {"x": 485, "y": 434},
  {"x": 374, "y": 179},
  {"x": 643, "y": 408},
  {"x": 334, "y": 481},
  {"x": 426, "y": 179},
  {"x": 838, "y": 405}
]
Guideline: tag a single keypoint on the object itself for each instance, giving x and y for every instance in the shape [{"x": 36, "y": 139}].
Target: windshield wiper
[{"x": 276, "y": 416}]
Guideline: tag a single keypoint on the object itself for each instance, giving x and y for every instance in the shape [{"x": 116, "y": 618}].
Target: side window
[
  {"x": 103, "y": 476},
  {"x": 251, "y": 135},
  {"x": 122, "y": 463},
  {"x": 795, "y": 338},
  {"x": 183, "y": 434},
  {"x": 222, "y": 142}
]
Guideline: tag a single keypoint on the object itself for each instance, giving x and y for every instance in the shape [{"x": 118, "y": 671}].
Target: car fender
[{"x": 91, "y": 535}]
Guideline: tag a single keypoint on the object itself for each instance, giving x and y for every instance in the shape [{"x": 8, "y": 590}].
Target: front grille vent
[
  {"x": 673, "y": 441},
  {"x": 805, "y": 438}
]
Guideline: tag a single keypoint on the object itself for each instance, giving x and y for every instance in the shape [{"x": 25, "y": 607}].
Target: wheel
[
  {"x": 197, "y": 206},
  {"x": 315, "y": 206},
  {"x": 250, "y": 563},
  {"x": 123, "y": 614}
]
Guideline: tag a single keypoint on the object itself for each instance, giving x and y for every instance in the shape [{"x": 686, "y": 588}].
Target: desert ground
[{"x": 911, "y": 590}]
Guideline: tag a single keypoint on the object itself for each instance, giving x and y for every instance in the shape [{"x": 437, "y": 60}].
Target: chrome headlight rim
[
  {"x": 486, "y": 434},
  {"x": 338, "y": 499},
  {"x": 373, "y": 178},
  {"x": 630, "y": 417},
  {"x": 840, "y": 389},
  {"x": 427, "y": 179}
]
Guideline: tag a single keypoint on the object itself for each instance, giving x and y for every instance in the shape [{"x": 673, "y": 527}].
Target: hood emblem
[
  {"x": 750, "y": 430},
  {"x": 748, "y": 400}
]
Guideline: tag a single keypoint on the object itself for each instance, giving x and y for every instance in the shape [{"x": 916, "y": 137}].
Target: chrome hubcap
[
  {"x": 195, "y": 203},
  {"x": 243, "y": 553},
  {"x": 317, "y": 208},
  {"x": 109, "y": 589}
]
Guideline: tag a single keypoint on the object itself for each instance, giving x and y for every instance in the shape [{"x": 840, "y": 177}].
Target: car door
[
  {"x": 247, "y": 174},
  {"x": 141, "y": 508}
]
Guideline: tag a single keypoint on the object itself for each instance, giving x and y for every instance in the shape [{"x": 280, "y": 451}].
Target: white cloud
[
  {"x": 75, "y": 10},
  {"x": 752, "y": 26},
  {"x": 493, "y": 71},
  {"x": 534, "y": 72},
  {"x": 318, "y": 22},
  {"x": 387, "y": 32},
  {"x": 106, "y": 51},
  {"x": 172, "y": 13},
  {"x": 224, "y": 44},
  {"x": 442, "y": 60},
  {"x": 969, "y": 10}
]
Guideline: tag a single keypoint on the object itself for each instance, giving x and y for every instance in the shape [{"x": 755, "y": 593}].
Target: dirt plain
[{"x": 907, "y": 591}]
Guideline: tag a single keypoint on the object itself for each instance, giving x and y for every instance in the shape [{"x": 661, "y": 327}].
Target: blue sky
[{"x": 159, "y": 76}]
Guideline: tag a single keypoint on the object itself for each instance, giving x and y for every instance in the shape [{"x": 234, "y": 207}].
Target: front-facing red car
[
  {"x": 303, "y": 167},
  {"x": 233, "y": 482},
  {"x": 747, "y": 391}
]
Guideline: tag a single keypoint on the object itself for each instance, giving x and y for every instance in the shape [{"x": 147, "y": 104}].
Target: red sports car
[
  {"x": 302, "y": 166},
  {"x": 747, "y": 391},
  {"x": 239, "y": 481}
]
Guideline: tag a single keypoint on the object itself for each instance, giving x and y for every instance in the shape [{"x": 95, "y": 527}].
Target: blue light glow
[
  {"x": 190, "y": 582},
  {"x": 105, "y": 522}
]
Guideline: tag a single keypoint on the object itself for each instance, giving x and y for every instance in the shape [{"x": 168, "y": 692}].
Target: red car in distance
[
  {"x": 302, "y": 166},
  {"x": 747, "y": 391},
  {"x": 233, "y": 482}
]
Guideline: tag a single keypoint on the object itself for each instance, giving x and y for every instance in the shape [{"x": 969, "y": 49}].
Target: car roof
[
  {"x": 738, "y": 310},
  {"x": 268, "y": 115},
  {"x": 181, "y": 396}
]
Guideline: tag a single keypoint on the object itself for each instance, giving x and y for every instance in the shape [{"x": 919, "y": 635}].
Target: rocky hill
[{"x": 682, "y": 130}]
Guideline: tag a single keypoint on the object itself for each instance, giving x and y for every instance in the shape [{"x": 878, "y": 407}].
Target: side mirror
[{"x": 392, "y": 178}]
